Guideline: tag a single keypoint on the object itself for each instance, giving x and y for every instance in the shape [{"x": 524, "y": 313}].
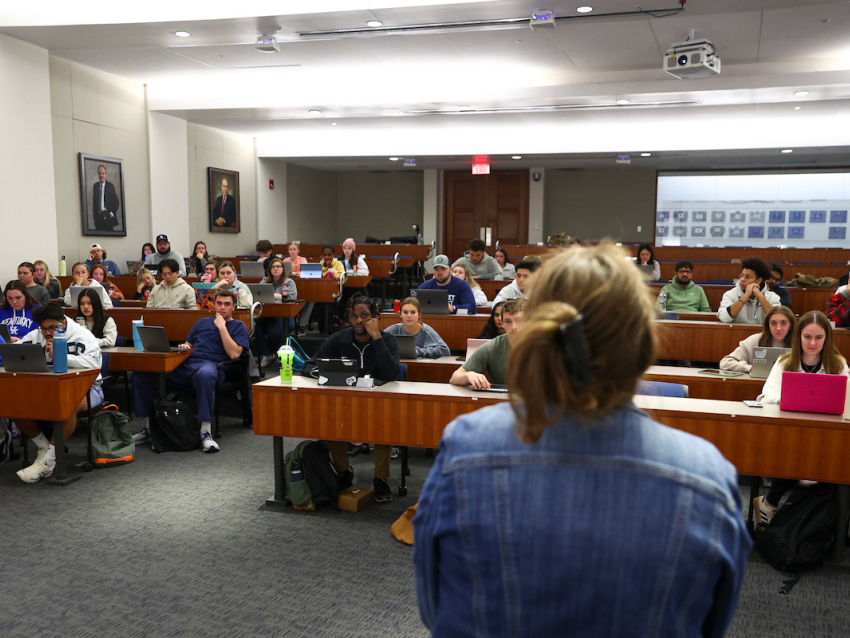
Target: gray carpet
[{"x": 180, "y": 545}]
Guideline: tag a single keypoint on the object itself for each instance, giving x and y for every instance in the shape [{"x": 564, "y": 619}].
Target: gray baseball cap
[{"x": 442, "y": 261}]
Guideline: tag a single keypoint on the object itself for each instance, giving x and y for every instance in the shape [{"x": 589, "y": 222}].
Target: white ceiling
[{"x": 364, "y": 86}]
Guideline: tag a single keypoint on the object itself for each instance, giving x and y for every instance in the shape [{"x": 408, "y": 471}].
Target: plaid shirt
[{"x": 838, "y": 308}]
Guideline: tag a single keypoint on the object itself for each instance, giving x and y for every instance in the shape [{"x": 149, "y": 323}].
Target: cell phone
[{"x": 752, "y": 404}]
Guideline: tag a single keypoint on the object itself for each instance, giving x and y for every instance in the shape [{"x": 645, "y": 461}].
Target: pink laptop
[{"x": 822, "y": 393}]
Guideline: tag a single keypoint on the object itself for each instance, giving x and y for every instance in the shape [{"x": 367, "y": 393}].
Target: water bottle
[
  {"x": 662, "y": 301},
  {"x": 60, "y": 352},
  {"x": 63, "y": 267},
  {"x": 137, "y": 343},
  {"x": 287, "y": 357},
  {"x": 296, "y": 474}
]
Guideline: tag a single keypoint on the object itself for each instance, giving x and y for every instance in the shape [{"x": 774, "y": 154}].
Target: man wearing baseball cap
[
  {"x": 163, "y": 252},
  {"x": 97, "y": 255},
  {"x": 460, "y": 294}
]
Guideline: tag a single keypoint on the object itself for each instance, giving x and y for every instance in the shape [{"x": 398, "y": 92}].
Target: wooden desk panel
[
  {"x": 770, "y": 255},
  {"x": 128, "y": 359},
  {"x": 177, "y": 323},
  {"x": 730, "y": 271},
  {"x": 491, "y": 287},
  {"x": 802, "y": 299},
  {"x": 454, "y": 329},
  {"x": 317, "y": 290},
  {"x": 418, "y": 252},
  {"x": 285, "y": 310},
  {"x": 45, "y": 396}
]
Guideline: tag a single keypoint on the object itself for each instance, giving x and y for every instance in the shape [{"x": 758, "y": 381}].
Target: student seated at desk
[
  {"x": 163, "y": 252},
  {"x": 145, "y": 283},
  {"x": 214, "y": 340},
  {"x": 172, "y": 291},
  {"x": 92, "y": 317},
  {"x": 520, "y": 525},
  {"x": 84, "y": 353},
  {"x": 295, "y": 259},
  {"x": 199, "y": 259},
  {"x": 477, "y": 261},
  {"x": 265, "y": 250},
  {"x": 270, "y": 329},
  {"x": 774, "y": 283},
  {"x": 777, "y": 332},
  {"x": 683, "y": 295},
  {"x": 101, "y": 276},
  {"x": 43, "y": 277},
  {"x": 97, "y": 255},
  {"x": 16, "y": 311},
  {"x": 508, "y": 269},
  {"x": 492, "y": 357},
  {"x": 646, "y": 257},
  {"x": 520, "y": 287},
  {"x": 210, "y": 273},
  {"x": 460, "y": 271},
  {"x": 80, "y": 274},
  {"x": 377, "y": 352},
  {"x": 838, "y": 307},
  {"x": 39, "y": 294},
  {"x": 460, "y": 294},
  {"x": 332, "y": 267},
  {"x": 227, "y": 279},
  {"x": 353, "y": 263},
  {"x": 494, "y": 326},
  {"x": 429, "y": 344},
  {"x": 812, "y": 350},
  {"x": 750, "y": 300}
]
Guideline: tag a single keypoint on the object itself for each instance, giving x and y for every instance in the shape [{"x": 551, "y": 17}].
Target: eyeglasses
[
  {"x": 684, "y": 271},
  {"x": 49, "y": 328}
]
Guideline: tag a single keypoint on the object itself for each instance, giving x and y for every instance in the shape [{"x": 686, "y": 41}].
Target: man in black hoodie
[{"x": 377, "y": 352}]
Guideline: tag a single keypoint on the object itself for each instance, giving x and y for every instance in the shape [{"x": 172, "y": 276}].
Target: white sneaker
[
  {"x": 208, "y": 443},
  {"x": 35, "y": 472},
  {"x": 805, "y": 483},
  {"x": 143, "y": 436},
  {"x": 267, "y": 359}
]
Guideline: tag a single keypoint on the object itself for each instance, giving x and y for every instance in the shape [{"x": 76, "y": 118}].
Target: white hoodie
[{"x": 83, "y": 351}]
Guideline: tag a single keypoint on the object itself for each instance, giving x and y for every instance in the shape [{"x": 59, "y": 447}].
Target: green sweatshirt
[{"x": 690, "y": 298}]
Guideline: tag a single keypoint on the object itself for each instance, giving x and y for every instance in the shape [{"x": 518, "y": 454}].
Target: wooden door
[{"x": 493, "y": 207}]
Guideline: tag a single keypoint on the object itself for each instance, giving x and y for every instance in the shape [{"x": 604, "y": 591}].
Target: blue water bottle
[
  {"x": 137, "y": 343},
  {"x": 60, "y": 351}
]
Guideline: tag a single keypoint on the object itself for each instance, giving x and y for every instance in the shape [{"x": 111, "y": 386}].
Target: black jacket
[{"x": 379, "y": 358}]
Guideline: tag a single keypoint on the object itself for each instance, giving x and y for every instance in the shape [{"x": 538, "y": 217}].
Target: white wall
[
  {"x": 272, "y": 203},
  {"x": 536, "y": 195},
  {"x": 431, "y": 207},
  {"x": 169, "y": 168},
  {"x": 28, "y": 213},
  {"x": 100, "y": 114}
]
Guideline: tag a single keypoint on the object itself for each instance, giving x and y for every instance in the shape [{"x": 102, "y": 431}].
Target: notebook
[
  {"x": 154, "y": 339},
  {"x": 406, "y": 346},
  {"x": 821, "y": 393},
  {"x": 23, "y": 357},
  {"x": 311, "y": 271},
  {"x": 252, "y": 269},
  {"x": 763, "y": 360},
  {"x": 338, "y": 372},
  {"x": 433, "y": 302}
]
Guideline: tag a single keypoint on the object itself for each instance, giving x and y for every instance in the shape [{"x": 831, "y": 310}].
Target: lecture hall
[{"x": 331, "y": 320}]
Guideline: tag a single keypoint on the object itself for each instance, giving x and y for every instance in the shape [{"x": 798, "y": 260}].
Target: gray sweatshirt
[
  {"x": 487, "y": 265},
  {"x": 428, "y": 343},
  {"x": 154, "y": 260}
]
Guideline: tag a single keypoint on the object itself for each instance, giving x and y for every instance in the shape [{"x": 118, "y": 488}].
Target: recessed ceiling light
[
  {"x": 622, "y": 101},
  {"x": 374, "y": 23},
  {"x": 394, "y": 159},
  {"x": 787, "y": 150},
  {"x": 182, "y": 34},
  {"x": 797, "y": 108},
  {"x": 516, "y": 156},
  {"x": 314, "y": 112},
  {"x": 584, "y": 9},
  {"x": 333, "y": 123},
  {"x": 801, "y": 93},
  {"x": 646, "y": 154}
]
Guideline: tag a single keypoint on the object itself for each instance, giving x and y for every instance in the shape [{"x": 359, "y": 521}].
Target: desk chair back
[{"x": 662, "y": 389}]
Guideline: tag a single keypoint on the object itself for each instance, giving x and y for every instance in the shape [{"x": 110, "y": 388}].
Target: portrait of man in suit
[
  {"x": 224, "y": 198},
  {"x": 102, "y": 196}
]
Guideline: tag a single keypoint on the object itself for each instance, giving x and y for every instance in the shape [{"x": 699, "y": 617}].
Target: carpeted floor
[{"x": 180, "y": 545}]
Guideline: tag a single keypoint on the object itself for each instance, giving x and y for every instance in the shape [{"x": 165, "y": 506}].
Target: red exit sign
[{"x": 480, "y": 169}]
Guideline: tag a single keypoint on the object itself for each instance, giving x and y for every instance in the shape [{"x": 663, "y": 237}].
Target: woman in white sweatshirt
[
  {"x": 460, "y": 271},
  {"x": 777, "y": 332}
]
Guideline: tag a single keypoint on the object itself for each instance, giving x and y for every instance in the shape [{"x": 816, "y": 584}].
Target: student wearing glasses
[{"x": 683, "y": 295}]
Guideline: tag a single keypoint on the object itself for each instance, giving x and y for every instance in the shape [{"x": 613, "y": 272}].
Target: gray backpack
[{"x": 111, "y": 438}]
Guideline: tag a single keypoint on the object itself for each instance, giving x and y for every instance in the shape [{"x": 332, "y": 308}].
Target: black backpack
[
  {"x": 174, "y": 426},
  {"x": 320, "y": 473},
  {"x": 801, "y": 533}
]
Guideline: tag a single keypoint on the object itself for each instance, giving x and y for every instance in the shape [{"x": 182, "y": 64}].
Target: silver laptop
[
  {"x": 472, "y": 345},
  {"x": 311, "y": 271},
  {"x": 406, "y": 346},
  {"x": 647, "y": 270},
  {"x": 433, "y": 302},
  {"x": 252, "y": 269},
  {"x": 23, "y": 357},
  {"x": 75, "y": 294},
  {"x": 763, "y": 360},
  {"x": 264, "y": 293},
  {"x": 154, "y": 339}
]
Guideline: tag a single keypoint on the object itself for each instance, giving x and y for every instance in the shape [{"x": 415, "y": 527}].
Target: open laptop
[
  {"x": 311, "y": 271},
  {"x": 4, "y": 332},
  {"x": 763, "y": 360},
  {"x": 264, "y": 293},
  {"x": 252, "y": 269},
  {"x": 154, "y": 339},
  {"x": 23, "y": 357},
  {"x": 433, "y": 302},
  {"x": 647, "y": 270},
  {"x": 338, "y": 372},
  {"x": 75, "y": 294},
  {"x": 133, "y": 267},
  {"x": 821, "y": 393},
  {"x": 406, "y": 346},
  {"x": 472, "y": 345}
]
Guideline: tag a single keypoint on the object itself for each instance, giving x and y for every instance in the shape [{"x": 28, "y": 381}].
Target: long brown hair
[
  {"x": 766, "y": 338},
  {"x": 270, "y": 278},
  {"x": 833, "y": 362},
  {"x": 597, "y": 282},
  {"x": 17, "y": 284}
]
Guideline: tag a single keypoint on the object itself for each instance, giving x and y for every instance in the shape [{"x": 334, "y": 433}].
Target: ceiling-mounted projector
[
  {"x": 692, "y": 59},
  {"x": 267, "y": 44}
]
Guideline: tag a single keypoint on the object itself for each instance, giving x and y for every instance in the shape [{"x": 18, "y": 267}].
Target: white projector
[
  {"x": 267, "y": 44},
  {"x": 692, "y": 59}
]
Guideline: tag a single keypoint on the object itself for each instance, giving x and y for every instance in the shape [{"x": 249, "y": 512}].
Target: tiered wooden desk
[
  {"x": 177, "y": 323},
  {"x": 802, "y": 299},
  {"x": 454, "y": 329}
]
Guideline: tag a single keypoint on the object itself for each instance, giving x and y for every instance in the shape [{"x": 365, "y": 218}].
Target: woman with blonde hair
[
  {"x": 520, "y": 528},
  {"x": 145, "y": 282},
  {"x": 43, "y": 277},
  {"x": 461, "y": 271},
  {"x": 295, "y": 259}
]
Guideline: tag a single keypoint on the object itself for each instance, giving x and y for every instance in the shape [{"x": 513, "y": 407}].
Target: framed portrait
[
  {"x": 102, "y": 196},
  {"x": 224, "y": 200}
]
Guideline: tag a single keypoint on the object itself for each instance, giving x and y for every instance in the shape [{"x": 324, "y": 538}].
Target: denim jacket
[{"x": 621, "y": 528}]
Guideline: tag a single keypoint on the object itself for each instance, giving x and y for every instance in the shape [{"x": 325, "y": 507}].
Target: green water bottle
[{"x": 287, "y": 357}]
